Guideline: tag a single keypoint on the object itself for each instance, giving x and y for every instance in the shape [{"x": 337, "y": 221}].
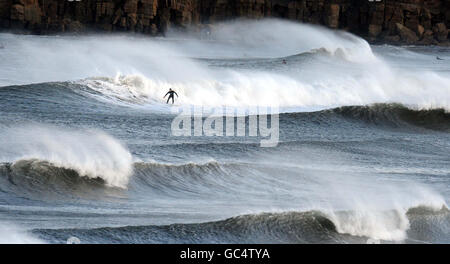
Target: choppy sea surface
[{"x": 87, "y": 150}]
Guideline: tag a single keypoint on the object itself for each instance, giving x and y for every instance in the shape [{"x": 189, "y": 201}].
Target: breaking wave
[
  {"x": 47, "y": 150},
  {"x": 263, "y": 89},
  {"x": 397, "y": 115},
  {"x": 324, "y": 224},
  {"x": 323, "y": 69},
  {"x": 340, "y": 177},
  {"x": 287, "y": 227}
]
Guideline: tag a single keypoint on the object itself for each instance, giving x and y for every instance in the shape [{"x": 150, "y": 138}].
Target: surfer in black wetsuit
[
  {"x": 437, "y": 58},
  {"x": 170, "y": 93}
]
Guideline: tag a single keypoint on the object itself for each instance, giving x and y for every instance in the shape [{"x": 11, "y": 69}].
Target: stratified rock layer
[{"x": 401, "y": 21}]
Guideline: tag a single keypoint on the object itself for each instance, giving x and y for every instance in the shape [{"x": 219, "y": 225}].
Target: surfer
[
  {"x": 170, "y": 93},
  {"x": 284, "y": 61},
  {"x": 437, "y": 58}
]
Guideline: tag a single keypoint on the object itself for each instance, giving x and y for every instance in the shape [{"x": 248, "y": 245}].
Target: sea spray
[
  {"x": 12, "y": 234},
  {"x": 323, "y": 68},
  {"x": 91, "y": 153}
]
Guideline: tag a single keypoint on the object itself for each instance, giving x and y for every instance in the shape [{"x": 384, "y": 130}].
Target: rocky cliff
[{"x": 395, "y": 21}]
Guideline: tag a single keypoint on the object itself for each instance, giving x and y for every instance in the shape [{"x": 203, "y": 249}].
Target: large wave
[
  {"x": 93, "y": 154},
  {"x": 324, "y": 186},
  {"x": 38, "y": 157},
  {"x": 352, "y": 207},
  {"x": 397, "y": 115},
  {"x": 340, "y": 70},
  {"x": 367, "y": 215},
  {"x": 287, "y": 227}
]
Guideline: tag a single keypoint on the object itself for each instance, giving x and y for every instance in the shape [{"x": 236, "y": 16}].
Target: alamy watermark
[{"x": 227, "y": 121}]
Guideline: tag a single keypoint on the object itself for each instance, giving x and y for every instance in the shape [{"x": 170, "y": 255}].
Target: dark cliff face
[{"x": 395, "y": 21}]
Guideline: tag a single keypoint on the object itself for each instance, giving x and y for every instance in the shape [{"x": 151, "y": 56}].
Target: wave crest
[
  {"x": 397, "y": 115},
  {"x": 93, "y": 154},
  {"x": 287, "y": 227}
]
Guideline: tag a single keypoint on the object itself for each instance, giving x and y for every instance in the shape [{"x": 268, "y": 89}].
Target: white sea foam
[
  {"x": 342, "y": 71},
  {"x": 91, "y": 153},
  {"x": 356, "y": 200},
  {"x": 11, "y": 234},
  {"x": 368, "y": 218}
]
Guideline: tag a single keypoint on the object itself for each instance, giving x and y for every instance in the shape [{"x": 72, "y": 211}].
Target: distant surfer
[
  {"x": 437, "y": 58},
  {"x": 284, "y": 61},
  {"x": 170, "y": 93}
]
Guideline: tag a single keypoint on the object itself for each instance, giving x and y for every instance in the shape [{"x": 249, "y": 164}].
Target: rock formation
[{"x": 398, "y": 21}]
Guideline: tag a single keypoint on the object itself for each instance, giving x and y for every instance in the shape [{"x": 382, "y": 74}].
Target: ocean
[{"x": 88, "y": 152}]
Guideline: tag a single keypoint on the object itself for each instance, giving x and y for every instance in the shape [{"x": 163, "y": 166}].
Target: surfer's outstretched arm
[
  {"x": 166, "y": 95},
  {"x": 176, "y": 94}
]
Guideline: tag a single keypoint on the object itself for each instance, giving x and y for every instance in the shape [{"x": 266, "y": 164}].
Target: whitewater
[{"x": 86, "y": 148}]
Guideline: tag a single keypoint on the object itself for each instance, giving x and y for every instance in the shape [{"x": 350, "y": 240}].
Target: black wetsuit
[{"x": 170, "y": 93}]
